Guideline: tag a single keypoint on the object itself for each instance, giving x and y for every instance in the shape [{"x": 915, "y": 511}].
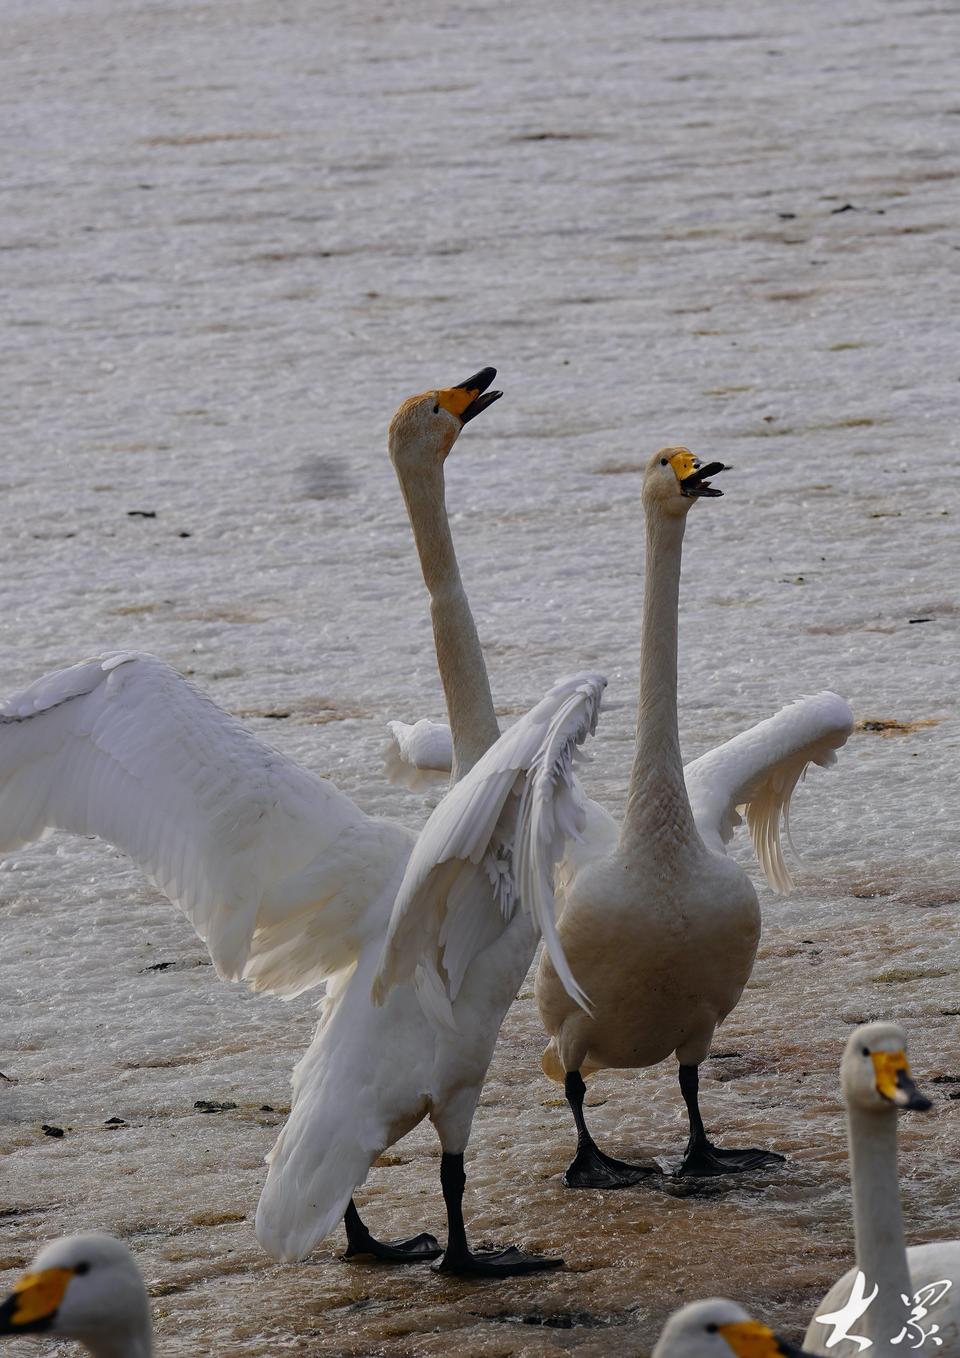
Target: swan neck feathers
[
  {"x": 658, "y": 810},
  {"x": 463, "y": 672}
]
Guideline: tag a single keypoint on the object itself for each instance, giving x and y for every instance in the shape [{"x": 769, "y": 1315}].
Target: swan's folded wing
[
  {"x": 496, "y": 836},
  {"x": 420, "y": 755},
  {"x": 257, "y": 852},
  {"x": 757, "y": 771}
]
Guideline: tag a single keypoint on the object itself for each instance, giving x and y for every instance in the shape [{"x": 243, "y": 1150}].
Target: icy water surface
[{"x": 233, "y": 238}]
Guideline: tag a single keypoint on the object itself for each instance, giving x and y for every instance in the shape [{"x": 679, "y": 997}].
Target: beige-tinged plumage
[
  {"x": 907, "y": 1289},
  {"x": 658, "y": 926}
]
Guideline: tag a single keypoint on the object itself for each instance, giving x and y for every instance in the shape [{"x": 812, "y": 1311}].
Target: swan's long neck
[
  {"x": 878, "y": 1222},
  {"x": 463, "y": 672},
  {"x": 658, "y": 810}
]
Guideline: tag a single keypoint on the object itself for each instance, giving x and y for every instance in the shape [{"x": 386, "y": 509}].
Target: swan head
[
  {"x": 875, "y": 1073},
  {"x": 717, "y": 1328},
  {"x": 81, "y": 1286},
  {"x": 426, "y": 427},
  {"x": 675, "y": 479}
]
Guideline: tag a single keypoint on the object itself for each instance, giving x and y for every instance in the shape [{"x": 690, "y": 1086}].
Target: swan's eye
[
  {"x": 663, "y": 463},
  {"x": 436, "y": 409},
  {"x": 866, "y": 1051},
  {"x": 81, "y": 1268},
  {"x": 711, "y": 1328}
]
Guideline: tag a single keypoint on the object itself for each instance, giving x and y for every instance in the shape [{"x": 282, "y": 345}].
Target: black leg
[
  {"x": 458, "y": 1257},
  {"x": 590, "y": 1168},
  {"x": 703, "y": 1157},
  {"x": 361, "y": 1243}
]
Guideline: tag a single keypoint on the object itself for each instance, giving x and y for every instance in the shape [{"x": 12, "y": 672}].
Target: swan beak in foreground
[
  {"x": 693, "y": 479},
  {"x": 467, "y": 399},
  {"x": 751, "y": 1339},
  {"x": 894, "y": 1082},
  {"x": 32, "y": 1305}
]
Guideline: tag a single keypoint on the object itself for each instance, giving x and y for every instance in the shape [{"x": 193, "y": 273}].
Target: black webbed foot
[
  {"x": 508, "y": 1263},
  {"x": 705, "y": 1160},
  {"x": 590, "y": 1168},
  {"x": 416, "y": 1250},
  {"x": 362, "y": 1245}
]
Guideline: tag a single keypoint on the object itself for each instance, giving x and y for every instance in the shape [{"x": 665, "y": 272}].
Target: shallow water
[{"x": 234, "y": 237}]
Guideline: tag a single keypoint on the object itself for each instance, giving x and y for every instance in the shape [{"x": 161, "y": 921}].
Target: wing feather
[
  {"x": 459, "y": 890},
  {"x": 275, "y": 869},
  {"x": 757, "y": 772}
]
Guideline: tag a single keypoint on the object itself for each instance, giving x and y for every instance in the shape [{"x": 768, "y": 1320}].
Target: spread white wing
[
  {"x": 494, "y": 839},
  {"x": 280, "y": 874},
  {"x": 756, "y": 773}
]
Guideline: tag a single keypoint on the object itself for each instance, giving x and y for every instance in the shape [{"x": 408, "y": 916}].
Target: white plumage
[
  {"x": 877, "y": 1087},
  {"x": 461, "y": 884},
  {"x": 372, "y": 1073},
  {"x": 420, "y": 755},
  {"x": 757, "y": 772},
  {"x": 288, "y": 882},
  {"x": 275, "y": 869},
  {"x": 717, "y": 1328},
  {"x": 85, "y": 1287}
]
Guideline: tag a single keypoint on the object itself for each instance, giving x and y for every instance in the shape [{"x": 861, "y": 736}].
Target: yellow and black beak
[
  {"x": 692, "y": 474},
  {"x": 696, "y": 483},
  {"x": 467, "y": 399},
  {"x": 892, "y": 1073},
  {"x": 32, "y": 1306},
  {"x": 751, "y": 1339}
]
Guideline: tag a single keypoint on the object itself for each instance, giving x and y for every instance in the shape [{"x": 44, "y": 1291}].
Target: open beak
[
  {"x": 480, "y": 397},
  {"x": 697, "y": 485}
]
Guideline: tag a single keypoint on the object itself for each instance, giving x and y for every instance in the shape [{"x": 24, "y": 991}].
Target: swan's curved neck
[
  {"x": 463, "y": 672},
  {"x": 878, "y": 1222},
  {"x": 658, "y": 810}
]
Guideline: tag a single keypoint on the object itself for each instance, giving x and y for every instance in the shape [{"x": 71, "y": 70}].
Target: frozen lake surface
[{"x": 232, "y": 238}]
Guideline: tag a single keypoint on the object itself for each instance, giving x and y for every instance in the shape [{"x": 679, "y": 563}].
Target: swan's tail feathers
[
  {"x": 250, "y": 846},
  {"x": 308, "y": 1188},
  {"x": 418, "y": 756},
  {"x": 331, "y": 1138},
  {"x": 754, "y": 775},
  {"x": 496, "y": 836}
]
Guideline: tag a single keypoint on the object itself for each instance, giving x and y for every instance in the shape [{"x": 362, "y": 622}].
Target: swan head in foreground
[
  {"x": 717, "y": 1328},
  {"x": 874, "y": 1072},
  {"x": 426, "y": 427},
  {"x": 675, "y": 479},
  {"x": 84, "y": 1287}
]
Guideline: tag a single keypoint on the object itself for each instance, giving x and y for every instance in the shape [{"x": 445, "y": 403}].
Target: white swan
[
  {"x": 717, "y": 1328},
  {"x": 876, "y": 1084},
  {"x": 659, "y": 928},
  {"x": 285, "y": 880},
  {"x": 83, "y": 1287}
]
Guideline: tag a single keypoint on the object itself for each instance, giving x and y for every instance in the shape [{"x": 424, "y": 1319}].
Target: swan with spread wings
[{"x": 289, "y": 884}]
